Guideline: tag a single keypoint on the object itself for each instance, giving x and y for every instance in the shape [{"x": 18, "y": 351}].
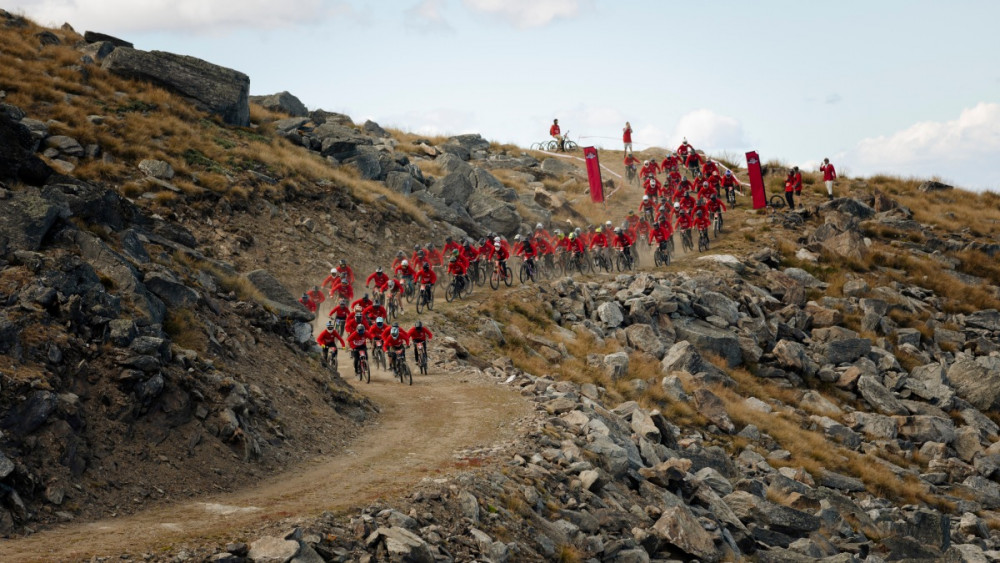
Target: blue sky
[{"x": 910, "y": 88}]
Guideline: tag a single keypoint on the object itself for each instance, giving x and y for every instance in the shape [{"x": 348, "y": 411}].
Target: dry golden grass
[{"x": 185, "y": 330}]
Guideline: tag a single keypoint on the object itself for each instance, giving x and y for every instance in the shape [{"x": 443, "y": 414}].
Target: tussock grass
[{"x": 185, "y": 330}]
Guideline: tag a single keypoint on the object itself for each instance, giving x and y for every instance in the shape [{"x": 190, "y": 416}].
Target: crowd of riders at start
[{"x": 675, "y": 204}]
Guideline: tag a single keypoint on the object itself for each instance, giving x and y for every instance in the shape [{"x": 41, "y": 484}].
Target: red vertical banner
[
  {"x": 594, "y": 174},
  {"x": 756, "y": 180}
]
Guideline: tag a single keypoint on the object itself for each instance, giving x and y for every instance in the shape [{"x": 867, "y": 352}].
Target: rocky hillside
[
  {"x": 152, "y": 225},
  {"x": 823, "y": 386}
]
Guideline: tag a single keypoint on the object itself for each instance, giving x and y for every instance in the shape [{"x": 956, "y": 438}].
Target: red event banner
[
  {"x": 594, "y": 174},
  {"x": 756, "y": 180}
]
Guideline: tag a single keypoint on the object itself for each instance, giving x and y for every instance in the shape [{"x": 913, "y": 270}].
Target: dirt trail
[{"x": 419, "y": 431}]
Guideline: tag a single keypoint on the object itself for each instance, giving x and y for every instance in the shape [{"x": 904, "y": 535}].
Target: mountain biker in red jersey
[
  {"x": 684, "y": 149},
  {"x": 379, "y": 329},
  {"x": 355, "y": 320},
  {"x": 419, "y": 335},
  {"x": 308, "y": 303},
  {"x": 364, "y": 302},
  {"x": 373, "y": 312},
  {"x": 469, "y": 252},
  {"x": 684, "y": 221},
  {"x": 426, "y": 275},
  {"x": 729, "y": 181},
  {"x": 797, "y": 178},
  {"x": 647, "y": 170},
  {"x": 394, "y": 287},
  {"x": 395, "y": 342},
  {"x": 574, "y": 244},
  {"x": 706, "y": 191},
  {"x": 701, "y": 220},
  {"x": 357, "y": 340},
  {"x": 661, "y": 233},
  {"x": 670, "y": 163},
  {"x": 379, "y": 279},
  {"x": 485, "y": 248},
  {"x": 674, "y": 178},
  {"x": 500, "y": 254},
  {"x": 715, "y": 182},
  {"x": 714, "y": 204},
  {"x": 316, "y": 295},
  {"x": 341, "y": 311},
  {"x": 344, "y": 268},
  {"x": 404, "y": 270},
  {"x": 710, "y": 167},
  {"x": 599, "y": 240},
  {"x": 434, "y": 255},
  {"x": 457, "y": 268},
  {"x": 419, "y": 257},
  {"x": 331, "y": 279},
  {"x": 646, "y": 205},
  {"x": 687, "y": 202},
  {"x": 621, "y": 240},
  {"x": 651, "y": 186},
  {"x": 693, "y": 162},
  {"x": 328, "y": 339},
  {"x": 632, "y": 220},
  {"x": 400, "y": 256},
  {"x": 342, "y": 287},
  {"x": 450, "y": 245},
  {"x": 631, "y": 162}
]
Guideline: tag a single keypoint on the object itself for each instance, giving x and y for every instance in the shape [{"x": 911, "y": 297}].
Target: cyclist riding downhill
[{"x": 328, "y": 339}]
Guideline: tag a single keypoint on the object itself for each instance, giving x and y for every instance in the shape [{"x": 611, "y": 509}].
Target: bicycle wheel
[
  {"x": 367, "y": 370},
  {"x": 449, "y": 293},
  {"x": 481, "y": 275},
  {"x": 508, "y": 276},
  {"x": 420, "y": 302},
  {"x": 657, "y": 258},
  {"x": 430, "y": 300},
  {"x": 777, "y": 201},
  {"x": 522, "y": 273},
  {"x": 703, "y": 242},
  {"x": 423, "y": 360},
  {"x": 551, "y": 145},
  {"x": 569, "y": 145},
  {"x": 408, "y": 293},
  {"x": 495, "y": 279},
  {"x": 391, "y": 309},
  {"x": 466, "y": 289},
  {"x": 620, "y": 262}
]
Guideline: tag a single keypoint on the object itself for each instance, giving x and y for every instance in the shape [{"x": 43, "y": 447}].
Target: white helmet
[
  {"x": 406, "y": 263},
  {"x": 607, "y": 223},
  {"x": 333, "y": 270},
  {"x": 677, "y": 205},
  {"x": 539, "y": 227},
  {"x": 496, "y": 240},
  {"x": 645, "y": 198},
  {"x": 517, "y": 237}
]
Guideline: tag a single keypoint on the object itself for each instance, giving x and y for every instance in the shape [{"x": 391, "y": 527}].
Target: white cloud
[
  {"x": 428, "y": 16},
  {"x": 962, "y": 150},
  {"x": 199, "y": 16},
  {"x": 528, "y": 13},
  {"x": 709, "y": 131}
]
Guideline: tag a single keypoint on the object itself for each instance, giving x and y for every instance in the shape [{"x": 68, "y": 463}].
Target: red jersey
[
  {"x": 456, "y": 268},
  {"x": 683, "y": 221},
  {"x": 682, "y": 150},
  {"x": 349, "y": 271},
  {"x": 393, "y": 286},
  {"x": 329, "y": 280},
  {"x": 342, "y": 289},
  {"x": 316, "y": 295},
  {"x": 405, "y": 271},
  {"x": 646, "y": 204},
  {"x": 418, "y": 259},
  {"x": 670, "y": 162},
  {"x": 469, "y": 253},
  {"x": 710, "y": 168},
  {"x": 693, "y": 159},
  {"x": 426, "y": 276},
  {"x": 599, "y": 240},
  {"x": 627, "y": 135},
  {"x": 340, "y": 311},
  {"x": 789, "y": 184},
  {"x": 575, "y": 245},
  {"x": 661, "y": 233},
  {"x": 631, "y": 160},
  {"x": 797, "y": 179},
  {"x": 687, "y": 203},
  {"x": 419, "y": 334},
  {"x": 329, "y": 338},
  {"x": 397, "y": 263},
  {"x": 374, "y": 311},
  {"x": 702, "y": 223},
  {"x": 364, "y": 303},
  {"x": 450, "y": 247},
  {"x": 714, "y": 205},
  {"x": 398, "y": 342},
  {"x": 379, "y": 278},
  {"x": 500, "y": 253},
  {"x": 829, "y": 173},
  {"x": 554, "y": 130},
  {"x": 352, "y": 325},
  {"x": 434, "y": 257},
  {"x": 357, "y": 341},
  {"x": 621, "y": 240}
]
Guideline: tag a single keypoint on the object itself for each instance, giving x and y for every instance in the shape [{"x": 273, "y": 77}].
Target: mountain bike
[
  {"x": 476, "y": 273},
  {"x": 601, "y": 262},
  {"x": 409, "y": 289},
  {"x": 399, "y": 367},
  {"x": 425, "y": 298},
  {"x": 420, "y": 350},
  {"x": 631, "y": 176},
  {"x": 330, "y": 358},
  {"x": 731, "y": 195},
  {"x": 567, "y": 145},
  {"x": 702, "y": 240},
  {"x": 686, "y": 240},
  {"x": 624, "y": 260},
  {"x": 378, "y": 298},
  {"x": 458, "y": 288},
  {"x": 393, "y": 306},
  {"x": 338, "y": 325},
  {"x": 501, "y": 272},
  {"x": 378, "y": 354},
  {"x": 527, "y": 270},
  {"x": 362, "y": 370},
  {"x": 661, "y": 256},
  {"x": 717, "y": 224}
]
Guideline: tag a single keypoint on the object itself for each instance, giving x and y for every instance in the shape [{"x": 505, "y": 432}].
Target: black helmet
[
  {"x": 361, "y": 329},
  {"x": 418, "y": 324}
]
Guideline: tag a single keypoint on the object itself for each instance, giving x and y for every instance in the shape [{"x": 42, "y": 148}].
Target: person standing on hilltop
[
  {"x": 557, "y": 134},
  {"x": 829, "y": 175},
  {"x": 790, "y": 189},
  {"x": 627, "y": 137}
]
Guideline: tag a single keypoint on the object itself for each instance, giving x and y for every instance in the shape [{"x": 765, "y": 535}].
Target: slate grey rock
[
  {"x": 453, "y": 188},
  {"x": 210, "y": 87},
  {"x": 170, "y": 290},
  {"x": 282, "y": 102},
  {"x": 96, "y": 37},
  {"x": 710, "y": 339},
  {"x": 493, "y": 214},
  {"x": 879, "y": 397},
  {"x": 976, "y": 381},
  {"x": 157, "y": 169},
  {"x": 26, "y": 219},
  {"x": 277, "y": 297},
  {"x": 30, "y": 414}
]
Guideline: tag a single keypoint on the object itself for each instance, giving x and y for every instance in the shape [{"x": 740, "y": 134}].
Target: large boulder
[
  {"x": 283, "y": 102},
  {"x": 277, "y": 298},
  {"x": 710, "y": 339},
  {"x": 683, "y": 356},
  {"x": 679, "y": 527},
  {"x": 487, "y": 183},
  {"x": 493, "y": 214},
  {"x": 453, "y": 188},
  {"x": 339, "y": 141},
  {"x": 212, "y": 88},
  {"x": 977, "y": 381},
  {"x": 96, "y": 37},
  {"x": 17, "y": 157},
  {"x": 26, "y": 218},
  {"x": 849, "y": 244},
  {"x": 933, "y": 186}
]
